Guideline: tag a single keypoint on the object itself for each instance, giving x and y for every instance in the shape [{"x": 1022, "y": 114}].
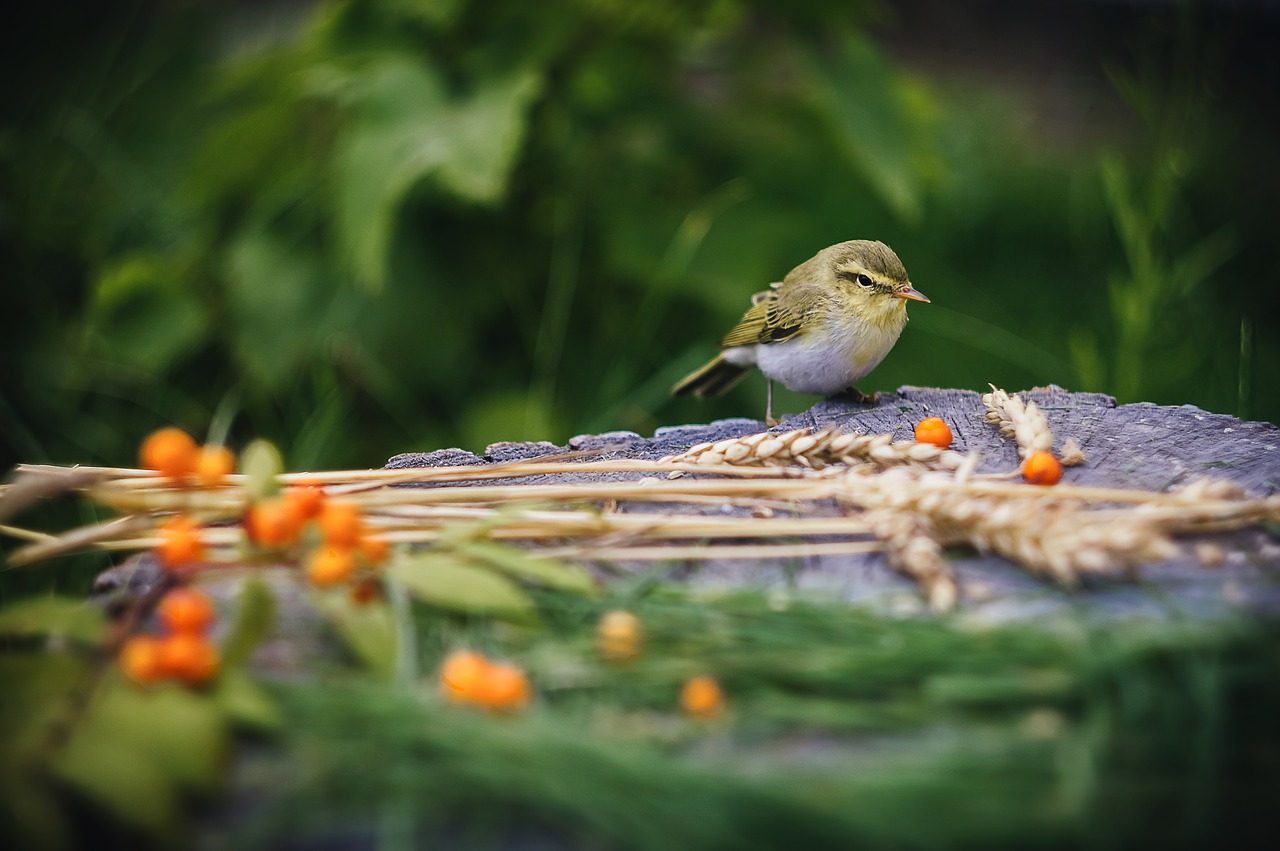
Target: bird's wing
[{"x": 765, "y": 322}]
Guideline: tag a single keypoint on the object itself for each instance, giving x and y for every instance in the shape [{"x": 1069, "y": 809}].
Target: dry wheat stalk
[
  {"x": 917, "y": 511},
  {"x": 1022, "y": 421},
  {"x": 425, "y": 524},
  {"x": 127, "y": 492},
  {"x": 1057, "y": 538},
  {"x": 816, "y": 450},
  {"x": 701, "y": 553},
  {"x": 1201, "y": 491},
  {"x": 913, "y": 548},
  {"x": 1210, "y": 505}
]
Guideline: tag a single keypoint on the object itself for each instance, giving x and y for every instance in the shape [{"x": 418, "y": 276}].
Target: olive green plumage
[{"x": 829, "y": 322}]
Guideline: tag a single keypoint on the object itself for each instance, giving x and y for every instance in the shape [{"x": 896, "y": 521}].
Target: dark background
[{"x": 368, "y": 227}]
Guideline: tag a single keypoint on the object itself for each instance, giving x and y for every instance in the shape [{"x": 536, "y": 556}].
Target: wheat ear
[{"x": 817, "y": 450}]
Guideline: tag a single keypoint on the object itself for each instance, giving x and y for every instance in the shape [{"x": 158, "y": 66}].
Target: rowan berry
[
  {"x": 366, "y": 591},
  {"x": 1041, "y": 468},
  {"x": 214, "y": 464},
  {"x": 305, "y": 501},
  {"x": 189, "y": 657},
  {"x": 701, "y": 697},
  {"x": 141, "y": 660},
  {"x": 180, "y": 542},
  {"x": 340, "y": 523},
  {"x": 329, "y": 565},
  {"x": 462, "y": 675},
  {"x": 619, "y": 636},
  {"x": 933, "y": 430},
  {"x": 270, "y": 523},
  {"x": 504, "y": 688},
  {"x": 373, "y": 550},
  {"x": 186, "y": 610},
  {"x": 169, "y": 451}
]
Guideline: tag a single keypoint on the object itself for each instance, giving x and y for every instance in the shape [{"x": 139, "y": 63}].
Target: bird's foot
[{"x": 856, "y": 396}]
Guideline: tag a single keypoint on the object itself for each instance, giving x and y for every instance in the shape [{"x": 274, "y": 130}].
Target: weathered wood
[{"x": 1145, "y": 446}]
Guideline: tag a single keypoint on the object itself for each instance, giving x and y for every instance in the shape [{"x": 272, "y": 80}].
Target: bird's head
[{"x": 871, "y": 277}]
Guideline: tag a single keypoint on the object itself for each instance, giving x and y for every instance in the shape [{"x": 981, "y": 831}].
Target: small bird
[{"x": 829, "y": 322}]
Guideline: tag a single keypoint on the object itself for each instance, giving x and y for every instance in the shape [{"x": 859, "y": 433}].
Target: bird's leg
[{"x": 768, "y": 404}]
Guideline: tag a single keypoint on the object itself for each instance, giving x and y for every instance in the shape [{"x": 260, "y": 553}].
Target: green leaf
[
  {"x": 260, "y": 463},
  {"x": 122, "y": 781},
  {"x": 144, "y": 314},
  {"x": 182, "y": 732},
  {"x": 282, "y": 302},
  {"x": 368, "y": 629},
  {"x": 405, "y": 128},
  {"x": 541, "y": 571},
  {"x": 34, "y": 686},
  {"x": 254, "y": 622},
  {"x": 134, "y": 752},
  {"x": 443, "y": 581},
  {"x": 245, "y": 703},
  {"x": 865, "y": 111},
  {"x": 54, "y": 617}
]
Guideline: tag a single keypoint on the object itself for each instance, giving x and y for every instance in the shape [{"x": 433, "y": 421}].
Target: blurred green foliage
[
  {"x": 843, "y": 729},
  {"x": 360, "y": 227}
]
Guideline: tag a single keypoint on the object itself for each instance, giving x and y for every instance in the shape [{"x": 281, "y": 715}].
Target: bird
[{"x": 827, "y": 324}]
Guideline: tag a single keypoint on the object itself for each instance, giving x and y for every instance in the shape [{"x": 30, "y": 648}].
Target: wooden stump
[{"x": 1142, "y": 446}]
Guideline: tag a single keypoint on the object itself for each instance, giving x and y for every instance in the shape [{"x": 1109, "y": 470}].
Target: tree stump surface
[{"x": 1139, "y": 446}]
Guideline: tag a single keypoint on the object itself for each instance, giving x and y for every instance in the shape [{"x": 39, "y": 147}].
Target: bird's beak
[{"x": 913, "y": 294}]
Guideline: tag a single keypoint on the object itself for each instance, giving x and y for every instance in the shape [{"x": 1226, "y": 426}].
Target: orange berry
[
  {"x": 186, "y": 610},
  {"x": 169, "y": 451},
  {"x": 340, "y": 522},
  {"x": 180, "y": 542},
  {"x": 141, "y": 659},
  {"x": 463, "y": 675},
  {"x": 933, "y": 430},
  {"x": 619, "y": 636},
  {"x": 1041, "y": 468},
  {"x": 366, "y": 591},
  {"x": 214, "y": 464},
  {"x": 329, "y": 565},
  {"x": 189, "y": 657},
  {"x": 701, "y": 697},
  {"x": 305, "y": 501},
  {"x": 373, "y": 550},
  {"x": 271, "y": 524},
  {"x": 505, "y": 688}
]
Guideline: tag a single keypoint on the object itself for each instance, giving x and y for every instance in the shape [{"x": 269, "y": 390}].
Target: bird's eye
[{"x": 864, "y": 281}]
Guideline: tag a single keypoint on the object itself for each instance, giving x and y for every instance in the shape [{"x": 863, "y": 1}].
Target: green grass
[{"x": 843, "y": 729}]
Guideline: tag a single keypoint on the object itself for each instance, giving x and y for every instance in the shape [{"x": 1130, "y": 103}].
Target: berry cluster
[
  {"x": 332, "y": 533},
  {"x": 330, "y": 538},
  {"x": 183, "y": 651},
  {"x": 341, "y": 547},
  {"x": 174, "y": 453}
]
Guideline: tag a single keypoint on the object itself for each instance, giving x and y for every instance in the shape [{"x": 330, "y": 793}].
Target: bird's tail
[{"x": 713, "y": 379}]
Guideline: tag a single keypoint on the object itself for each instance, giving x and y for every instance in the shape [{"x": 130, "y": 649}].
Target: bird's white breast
[{"x": 825, "y": 361}]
